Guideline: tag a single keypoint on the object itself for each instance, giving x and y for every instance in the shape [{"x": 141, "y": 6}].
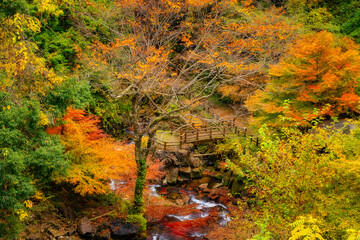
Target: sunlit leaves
[
  {"x": 295, "y": 174},
  {"x": 320, "y": 71},
  {"x": 95, "y": 158}
]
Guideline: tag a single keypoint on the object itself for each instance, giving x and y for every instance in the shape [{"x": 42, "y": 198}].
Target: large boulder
[
  {"x": 182, "y": 156},
  {"x": 168, "y": 158},
  {"x": 185, "y": 172},
  {"x": 123, "y": 230},
  {"x": 197, "y": 173},
  {"x": 172, "y": 175},
  {"x": 86, "y": 229},
  {"x": 195, "y": 162},
  {"x": 206, "y": 179}
]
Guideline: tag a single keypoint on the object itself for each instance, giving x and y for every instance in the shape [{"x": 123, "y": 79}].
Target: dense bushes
[{"x": 294, "y": 174}]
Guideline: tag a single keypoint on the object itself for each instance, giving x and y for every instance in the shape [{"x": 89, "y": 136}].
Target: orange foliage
[
  {"x": 94, "y": 157},
  {"x": 262, "y": 39},
  {"x": 320, "y": 71}
]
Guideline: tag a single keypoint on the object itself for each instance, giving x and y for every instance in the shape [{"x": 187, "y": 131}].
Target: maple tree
[
  {"x": 317, "y": 78},
  {"x": 165, "y": 61},
  {"x": 264, "y": 38},
  {"x": 94, "y": 156}
]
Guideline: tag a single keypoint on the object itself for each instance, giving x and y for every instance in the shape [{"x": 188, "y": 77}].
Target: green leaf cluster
[
  {"x": 295, "y": 173},
  {"x": 28, "y": 155}
]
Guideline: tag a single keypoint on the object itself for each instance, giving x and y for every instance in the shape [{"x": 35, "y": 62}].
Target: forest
[{"x": 180, "y": 119}]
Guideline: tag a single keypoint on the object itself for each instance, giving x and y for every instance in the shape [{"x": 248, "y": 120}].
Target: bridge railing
[{"x": 195, "y": 134}]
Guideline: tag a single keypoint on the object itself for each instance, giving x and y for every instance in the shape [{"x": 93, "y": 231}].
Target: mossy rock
[{"x": 197, "y": 173}]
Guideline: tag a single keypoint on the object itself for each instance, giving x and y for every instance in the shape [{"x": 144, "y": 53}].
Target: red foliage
[{"x": 95, "y": 159}]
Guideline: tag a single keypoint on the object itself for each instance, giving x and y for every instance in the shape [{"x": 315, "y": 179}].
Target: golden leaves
[
  {"x": 95, "y": 156},
  {"x": 18, "y": 58}
]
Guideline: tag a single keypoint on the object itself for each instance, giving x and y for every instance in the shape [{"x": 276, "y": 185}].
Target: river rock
[
  {"x": 103, "y": 235},
  {"x": 186, "y": 199},
  {"x": 85, "y": 228},
  {"x": 123, "y": 230},
  {"x": 185, "y": 172},
  {"x": 195, "y": 162},
  {"x": 179, "y": 202},
  {"x": 217, "y": 185},
  {"x": 203, "y": 187},
  {"x": 56, "y": 233},
  {"x": 182, "y": 156},
  {"x": 197, "y": 172},
  {"x": 168, "y": 158},
  {"x": 174, "y": 195},
  {"x": 206, "y": 179},
  {"x": 172, "y": 175}
]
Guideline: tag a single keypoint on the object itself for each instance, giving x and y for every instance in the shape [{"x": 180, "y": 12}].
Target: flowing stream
[{"x": 189, "y": 227}]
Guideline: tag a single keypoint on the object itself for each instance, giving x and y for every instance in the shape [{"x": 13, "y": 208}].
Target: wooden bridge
[{"x": 188, "y": 136}]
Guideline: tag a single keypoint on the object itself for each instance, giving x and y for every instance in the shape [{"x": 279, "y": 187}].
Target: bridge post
[
  {"x": 185, "y": 137},
  {"x": 211, "y": 133},
  {"x": 164, "y": 146}
]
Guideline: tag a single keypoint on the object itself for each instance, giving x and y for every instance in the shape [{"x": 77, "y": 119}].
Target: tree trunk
[{"x": 140, "y": 157}]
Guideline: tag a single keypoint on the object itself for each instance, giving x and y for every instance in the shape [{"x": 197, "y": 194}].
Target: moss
[
  {"x": 138, "y": 206},
  {"x": 138, "y": 219}
]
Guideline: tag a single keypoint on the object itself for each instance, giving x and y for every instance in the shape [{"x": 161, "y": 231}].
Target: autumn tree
[
  {"x": 167, "y": 56},
  {"x": 94, "y": 156},
  {"x": 265, "y": 37},
  {"x": 22, "y": 70},
  {"x": 317, "y": 78},
  {"x": 293, "y": 174}
]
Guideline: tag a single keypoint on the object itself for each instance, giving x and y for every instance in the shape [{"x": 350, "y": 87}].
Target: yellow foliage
[
  {"x": 28, "y": 204},
  {"x": 22, "y": 214},
  {"x": 305, "y": 228},
  {"x": 18, "y": 59},
  {"x": 49, "y": 6},
  {"x": 353, "y": 234},
  {"x": 95, "y": 157},
  {"x": 44, "y": 120}
]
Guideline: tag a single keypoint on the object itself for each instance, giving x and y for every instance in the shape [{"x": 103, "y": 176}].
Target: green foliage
[
  {"x": 352, "y": 26},
  {"x": 296, "y": 174},
  {"x": 28, "y": 155},
  {"x": 113, "y": 114},
  {"x": 59, "y": 48},
  {"x": 10, "y": 225},
  {"x": 70, "y": 92},
  {"x": 138, "y": 219},
  {"x": 264, "y": 233}
]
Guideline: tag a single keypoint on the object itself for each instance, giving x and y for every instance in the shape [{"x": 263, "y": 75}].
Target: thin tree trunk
[{"x": 140, "y": 157}]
